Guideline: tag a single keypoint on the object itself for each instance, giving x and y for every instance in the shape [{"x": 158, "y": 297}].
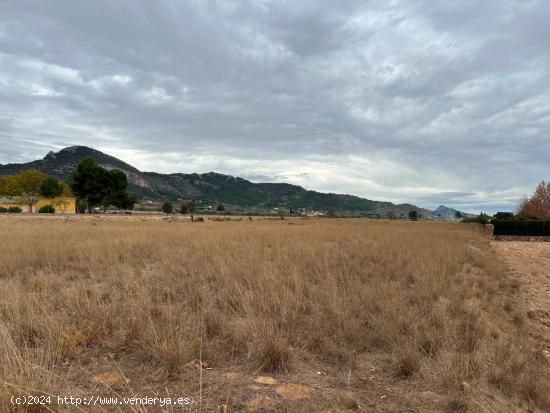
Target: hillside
[
  {"x": 446, "y": 212},
  {"x": 208, "y": 188}
]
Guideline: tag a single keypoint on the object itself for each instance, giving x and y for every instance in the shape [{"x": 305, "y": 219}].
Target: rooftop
[{"x": 6, "y": 201}]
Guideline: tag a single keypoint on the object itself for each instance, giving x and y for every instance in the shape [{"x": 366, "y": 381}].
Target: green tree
[
  {"x": 129, "y": 202},
  {"x": 3, "y": 184},
  {"x": 220, "y": 207},
  {"x": 184, "y": 209},
  {"x": 116, "y": 184},
  {"x": 458, "y": 215},
  {"x": 51, "y": 187},
  {"x": 413, "y": 215},
  {"x": 484, "y": 218},
  {"x": 89, "y": 183},
  {"x": 95, "y": 185},
  {"x": 168, "y": 208}
]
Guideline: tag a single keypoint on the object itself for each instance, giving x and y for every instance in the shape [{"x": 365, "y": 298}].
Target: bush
[
  {"x": 521, "y": 227},
  {"x": 14, "y": 210},
  {"x": 184, "y": 209},
  {"x": 168, "y": 208},
  {"x": 3, "y": 210},
  {"x": 47, "y": 209}
]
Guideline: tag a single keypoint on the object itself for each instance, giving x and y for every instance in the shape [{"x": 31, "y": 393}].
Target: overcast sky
[{"x": 426, "y": 102}]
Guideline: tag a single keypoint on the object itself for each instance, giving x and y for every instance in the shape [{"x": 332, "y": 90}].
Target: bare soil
[{"x": 529, "y": 263}]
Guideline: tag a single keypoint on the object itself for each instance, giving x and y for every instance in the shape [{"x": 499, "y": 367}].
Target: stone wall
[{"x": 520, "y": 238}]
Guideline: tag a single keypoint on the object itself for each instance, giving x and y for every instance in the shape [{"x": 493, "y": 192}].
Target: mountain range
[{"x": 211, "y": 187}]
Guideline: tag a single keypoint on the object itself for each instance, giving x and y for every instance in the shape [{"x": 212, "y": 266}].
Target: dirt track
[{"x": 529, "y": 262}]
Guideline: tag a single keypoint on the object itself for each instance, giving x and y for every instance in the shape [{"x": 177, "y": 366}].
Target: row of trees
[
  {"x": 92, "y": 185},
  {"x": 30, "y": 186},
  {"x": 188, "y": 208},
  {"x": 535, "y": 207}
]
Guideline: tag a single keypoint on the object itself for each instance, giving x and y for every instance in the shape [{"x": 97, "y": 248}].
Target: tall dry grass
[{"x": 276, "y": 297}]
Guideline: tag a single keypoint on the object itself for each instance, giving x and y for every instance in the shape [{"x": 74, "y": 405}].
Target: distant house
[
  {"x": 315, "y": 214},
  {"x": 7, "y": 202}
]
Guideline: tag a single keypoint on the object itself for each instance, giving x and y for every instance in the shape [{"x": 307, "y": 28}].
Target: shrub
[
  {"x": 14, "y": 210},
  {"x": 2, "y": 210},
  {"x": 348, "y": 402},
  {"x": 184, "y": 209},
  {"x": 168, "y": 208},
  {"x": 413, "y": 215},
  {"x": 220, "y": 208},
  {"x": 47, "y": 209},
  {"x": 457, "y": 405},
  {"x": 409, "y": 363},
  {"x": 521, "y": 227},
  {"x": 272, "y": 354}
]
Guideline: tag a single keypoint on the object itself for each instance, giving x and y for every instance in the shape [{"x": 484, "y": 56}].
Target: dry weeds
[{"x": 391, "y": 315}]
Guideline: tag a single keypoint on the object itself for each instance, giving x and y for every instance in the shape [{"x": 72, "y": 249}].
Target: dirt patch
[
  {"x": 265, "y": 380},
  {"x": 529, "y": 263},
  {"x": 293, "y": 391},
  {"x": 108, "y": 378}
]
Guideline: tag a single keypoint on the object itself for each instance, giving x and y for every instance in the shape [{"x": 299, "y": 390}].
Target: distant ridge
[
  {"x": 446, "y": 212},
  {"x": 209, "y": 188}
]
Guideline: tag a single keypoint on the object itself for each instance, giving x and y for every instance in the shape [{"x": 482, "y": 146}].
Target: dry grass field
[{"x": 290, "y": 315}]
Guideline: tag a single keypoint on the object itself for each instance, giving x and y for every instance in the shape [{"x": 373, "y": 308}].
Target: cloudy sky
[{"x": 419, "y": 101}]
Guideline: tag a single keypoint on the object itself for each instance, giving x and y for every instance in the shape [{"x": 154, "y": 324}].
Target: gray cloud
[{"x": 404, "y": 101}]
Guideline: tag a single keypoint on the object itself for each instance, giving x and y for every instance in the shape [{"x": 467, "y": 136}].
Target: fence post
[{"x": 489, "y": 229}]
